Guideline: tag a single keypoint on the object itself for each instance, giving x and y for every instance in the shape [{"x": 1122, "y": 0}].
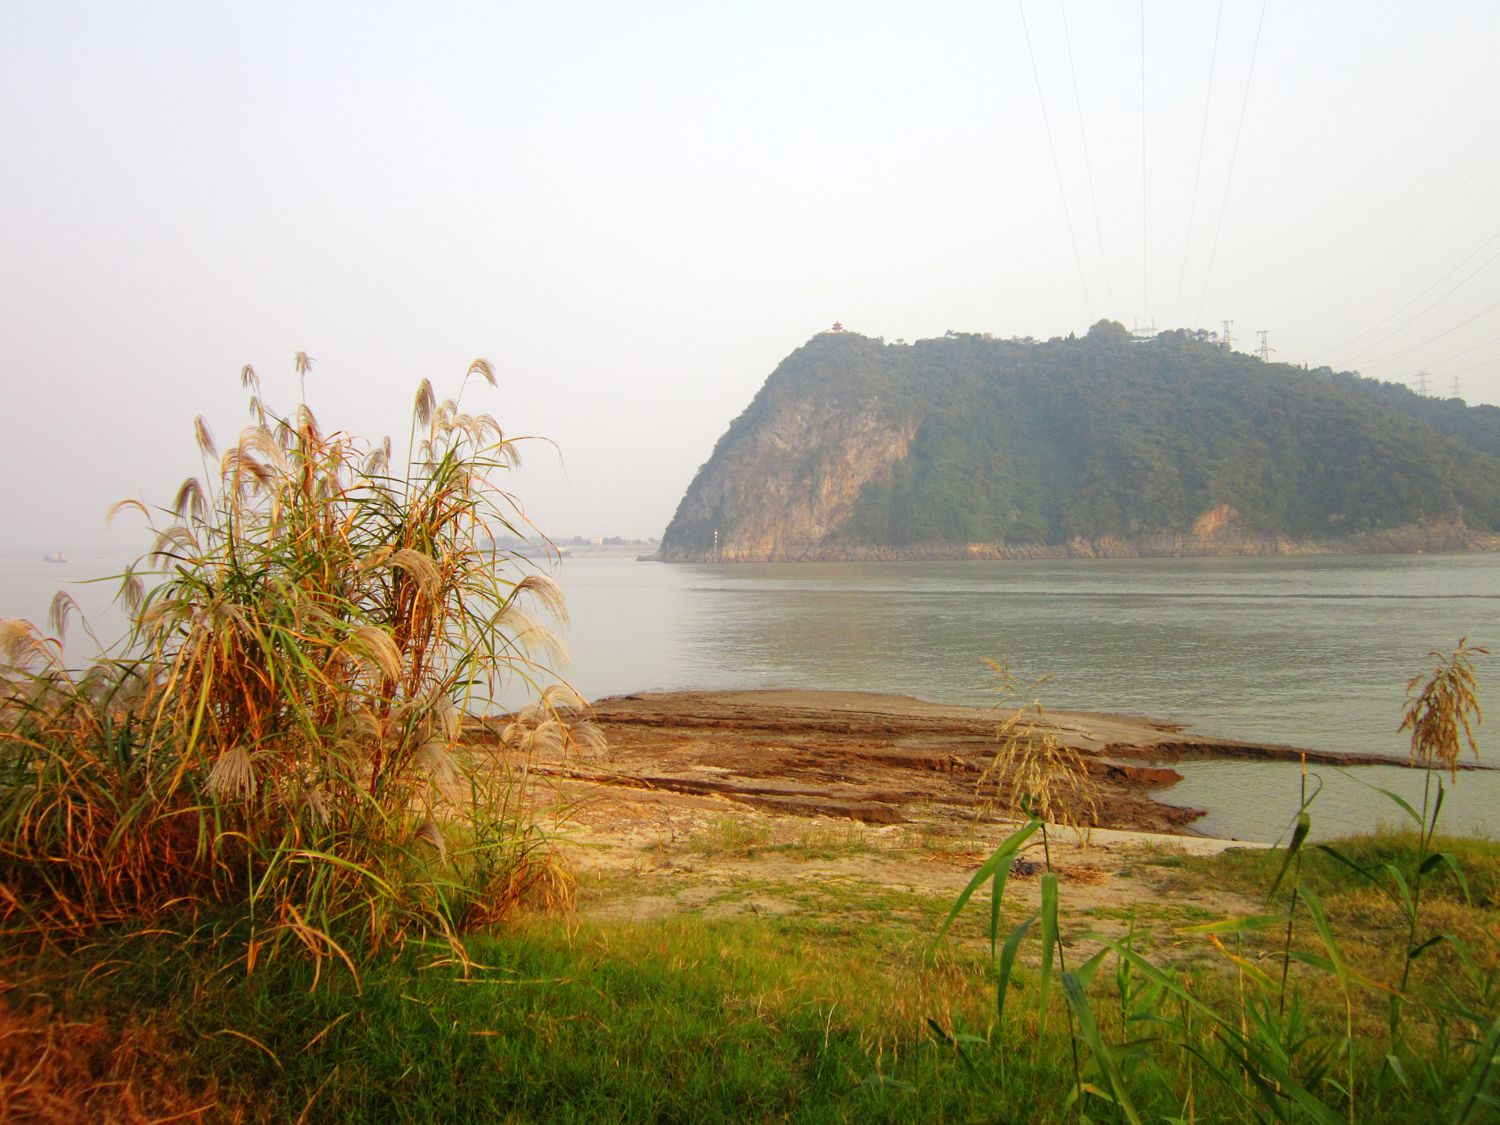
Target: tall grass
[
  {"x": 1291, "y": 1039},
  {"x": 281, "y": 730}
]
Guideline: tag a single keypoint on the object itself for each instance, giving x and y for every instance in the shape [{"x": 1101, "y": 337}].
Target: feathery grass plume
[
  {"x": 282, "y": 729},
  {"x": 205, "y": 438},
  {"x": 232, "y": 775},
  {"x": 64, "y": 605},
  {"x": 425, "y": 402},
  {"x": 131, "y": 593},
  {"x": 548, "y": 596},
  {"x": 190, "y": 503},
  {"x": 484, "y": 369},
  {"x": 1442, "y": 709},
  {"x": 23, "y": 649},
  {"x": 1032, "y": 771}
]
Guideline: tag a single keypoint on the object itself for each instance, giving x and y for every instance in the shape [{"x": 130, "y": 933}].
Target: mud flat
[{"x": 878, "y": 759}]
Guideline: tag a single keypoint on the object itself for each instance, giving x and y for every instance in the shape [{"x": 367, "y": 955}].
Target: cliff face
[
  {"x": 787, "y": 475},
  {"x": 786, "y": 487},
  {"x": 1101, "y": 446}
]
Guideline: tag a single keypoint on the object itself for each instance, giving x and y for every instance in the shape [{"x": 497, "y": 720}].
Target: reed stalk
[{"x": 282, "y": 732}]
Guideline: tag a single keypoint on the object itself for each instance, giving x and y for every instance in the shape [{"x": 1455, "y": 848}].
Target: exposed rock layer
[{"x": 881, "y": 759}]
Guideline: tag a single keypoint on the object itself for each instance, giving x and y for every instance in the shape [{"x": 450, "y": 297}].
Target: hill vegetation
[{"x": 1096, "y": 444}]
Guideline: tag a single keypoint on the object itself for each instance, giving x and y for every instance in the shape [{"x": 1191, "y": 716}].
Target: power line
[
  {"x": 1208, "y": 95},
  {"x": 1088, "y": 164},
  {"x": 1056, "y": 170},
  {"x": 1432, "y": 215},
  {"x": 1434, "y": 339},
  {"x": 1145, "y": 224},
  {"x": 1233, "y": 155},
  {"x": 1412, "y": 320},
  {"x": 1392, "y": 316},
  {"x": 1466, "y": 351},
  {"x": 1473, "y": 367}
]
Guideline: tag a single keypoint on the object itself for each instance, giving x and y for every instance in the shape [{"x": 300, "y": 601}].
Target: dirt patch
[{"x": 773, "y": 803}]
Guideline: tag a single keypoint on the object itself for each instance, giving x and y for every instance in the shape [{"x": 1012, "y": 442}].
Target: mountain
[{"x": 969, "y": 446}]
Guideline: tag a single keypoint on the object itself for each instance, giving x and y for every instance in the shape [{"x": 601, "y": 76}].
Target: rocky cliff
[
  {"x": 970, "y": 447},
  {"x": 789, "y": 471}
]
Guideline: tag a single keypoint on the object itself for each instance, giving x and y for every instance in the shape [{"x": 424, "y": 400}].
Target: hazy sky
[{"x": 636, "y": 211}]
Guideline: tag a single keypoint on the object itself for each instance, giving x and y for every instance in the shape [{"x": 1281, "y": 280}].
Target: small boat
[{"x": 55, "y": 557}]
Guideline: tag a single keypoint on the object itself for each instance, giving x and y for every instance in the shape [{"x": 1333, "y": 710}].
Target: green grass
[
  {"x": 679, "y": 1020},
  {"x": 817, "y": 1015},
  {"x": 736, "y": 836},
  {"x": 1251, "y": 870}
]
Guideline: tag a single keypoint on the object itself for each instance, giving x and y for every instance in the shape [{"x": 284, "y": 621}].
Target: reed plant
[
  {"x": 278, "y": 740},
  {"x": 1032, "y": 771},
  {"x": 1287, "y": 1041}
]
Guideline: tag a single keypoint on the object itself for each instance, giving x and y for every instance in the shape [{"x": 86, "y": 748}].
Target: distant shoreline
[
  {"x": 629, "y": 549},
  {"x": 548, "y": 550},
  {"x": 1410, "y": 539}
]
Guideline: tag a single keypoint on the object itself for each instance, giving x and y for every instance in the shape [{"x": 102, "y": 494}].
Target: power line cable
[
  {"x": 1467, "y": 351},
  {"x": 1383, "y": 321},
  {"x": 1056, "y": 169},
  {"x": 1088, "y": 164},
  {"x": 1432, "y": 216},
  {"x": 1434, "y": 339},
  {"x": 1471, "y": 367},
  {"x": 1187, "y": 242},
  {"x": 1412, "y": 320},
  {"x": 1233, "y": 156},
  {"x": 1145, "y": 224}
]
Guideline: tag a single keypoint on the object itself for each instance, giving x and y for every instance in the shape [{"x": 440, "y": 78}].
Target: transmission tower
[
  {"x": 1422, "y": 381},
  {"x": 1456, "y": 393},
  {"x": 1227, "y": 340},
  {"x": 1265, "y": 349}
]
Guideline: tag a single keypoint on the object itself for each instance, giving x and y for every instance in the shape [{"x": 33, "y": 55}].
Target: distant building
[{"x": 837, "y": 327}]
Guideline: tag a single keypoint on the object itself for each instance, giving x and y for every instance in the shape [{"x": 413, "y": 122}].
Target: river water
[{"x": 1312, "y": 651}]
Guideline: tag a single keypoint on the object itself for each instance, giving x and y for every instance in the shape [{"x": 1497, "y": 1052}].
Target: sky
[{"x": 635, "y": 212}]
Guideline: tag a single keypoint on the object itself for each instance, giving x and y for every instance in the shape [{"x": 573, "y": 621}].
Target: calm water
[{"x": 1311, "y": 651}]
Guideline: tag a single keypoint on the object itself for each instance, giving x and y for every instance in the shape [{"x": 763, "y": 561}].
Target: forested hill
[{"x": 1103, "y": 444}]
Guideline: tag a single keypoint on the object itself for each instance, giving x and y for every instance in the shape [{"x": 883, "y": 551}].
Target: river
[{"x": 1308, "y": 651}]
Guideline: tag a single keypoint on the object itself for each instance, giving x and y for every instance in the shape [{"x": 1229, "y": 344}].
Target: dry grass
[
  {"x": 59, "y": 1071},
  {"x": 1442, "y": 709},
  {"x": 1032, "y": 772},
  {"x": 281, "y": 731}
]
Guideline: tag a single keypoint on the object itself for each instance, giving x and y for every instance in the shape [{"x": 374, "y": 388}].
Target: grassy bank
[{"x": 817, "y": 1013}]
